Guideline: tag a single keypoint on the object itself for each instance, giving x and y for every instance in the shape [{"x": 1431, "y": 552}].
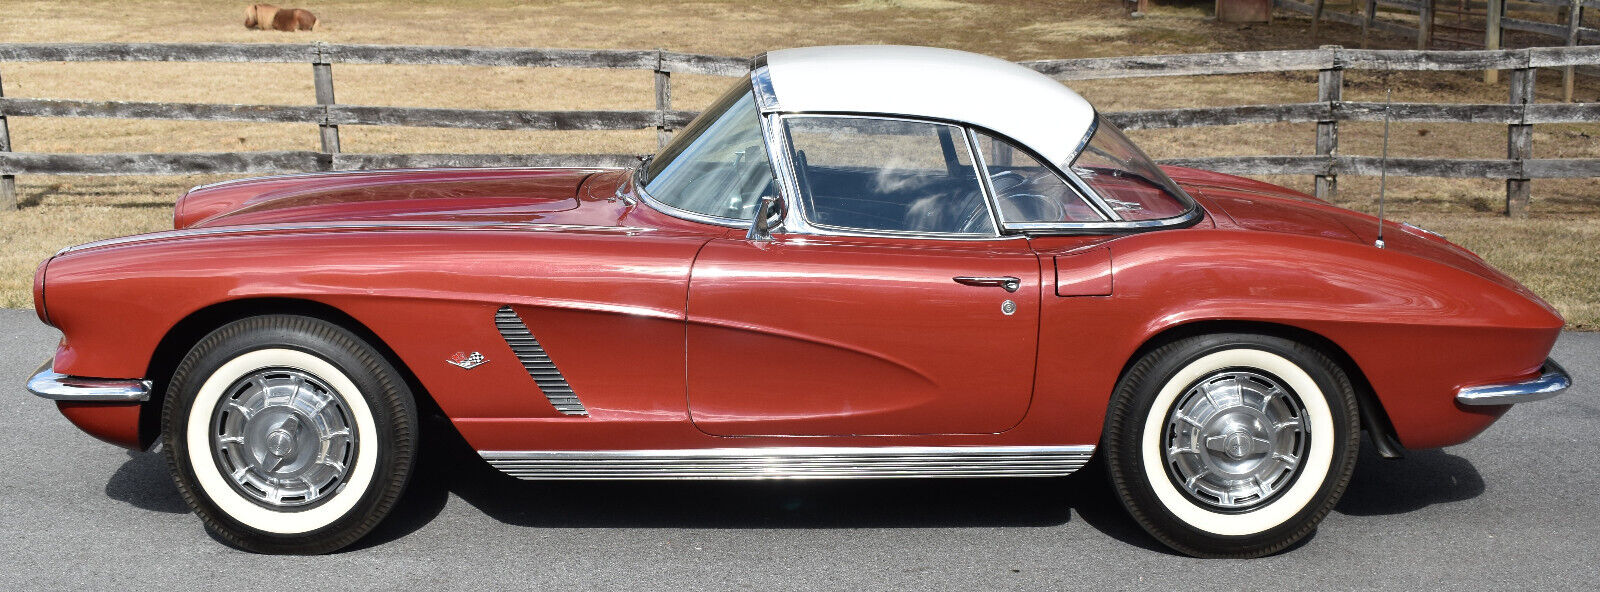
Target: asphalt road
[{"x": 1517, "y": 508}]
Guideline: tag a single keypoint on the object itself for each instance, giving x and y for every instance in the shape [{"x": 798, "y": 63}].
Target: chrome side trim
[
  {"x": 315, "y": 226},
  {"x": 537, "y": 362},
  {"x": 1551, "y": 381},
  {"x": 819, "y": 462},
  {"x": 47, "y": 383}
]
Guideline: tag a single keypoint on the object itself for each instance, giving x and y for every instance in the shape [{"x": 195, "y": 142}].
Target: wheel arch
[
  {"x": 182, "y": 336},
  {"x": 1374, "y": 418}
]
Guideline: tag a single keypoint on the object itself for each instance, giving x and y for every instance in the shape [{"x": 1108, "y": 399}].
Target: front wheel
[
  {"x": 1231, "y": 445},
  {"x": 288, "y": 434}
]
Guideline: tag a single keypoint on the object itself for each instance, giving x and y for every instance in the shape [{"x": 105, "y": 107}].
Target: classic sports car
[{"x": 859, "y": 262}]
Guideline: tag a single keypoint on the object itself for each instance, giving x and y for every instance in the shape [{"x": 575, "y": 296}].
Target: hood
[
  {"x": 442, "y": 195},
  {"x": 1255, "y": 205},
  {"x": 1259, "y": 206}
]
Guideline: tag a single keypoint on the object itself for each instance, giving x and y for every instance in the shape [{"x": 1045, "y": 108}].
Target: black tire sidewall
[
  {"x": 386, "y": 396},
  {"x": 1134, "y": 400}
]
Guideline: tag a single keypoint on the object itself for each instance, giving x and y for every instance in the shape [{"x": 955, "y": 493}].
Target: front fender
[{"x": 1418, "y": 328}]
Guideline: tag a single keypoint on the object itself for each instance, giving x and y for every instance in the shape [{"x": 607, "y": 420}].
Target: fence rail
[{"x": 1519, "y": 114}]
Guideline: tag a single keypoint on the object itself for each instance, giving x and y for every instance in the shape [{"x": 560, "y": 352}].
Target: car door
[{"x": 887, "y": 304}]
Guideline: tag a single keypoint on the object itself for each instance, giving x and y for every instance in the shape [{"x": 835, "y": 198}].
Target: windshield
[
  {"x": 718, "y": 165},
  {"x": 1125, "y": 178}
]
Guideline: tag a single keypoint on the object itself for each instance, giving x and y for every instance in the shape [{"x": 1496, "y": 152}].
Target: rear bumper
[
  {"x": 60, "y": 387},
  {"x": 1551, "y": 381}
]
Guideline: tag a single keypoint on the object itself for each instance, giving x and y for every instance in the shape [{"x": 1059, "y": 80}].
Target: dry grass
[{"x": 1552, "y": 252}]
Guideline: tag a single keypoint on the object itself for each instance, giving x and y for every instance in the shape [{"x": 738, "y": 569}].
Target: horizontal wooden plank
[
  {"x": 349, "y": 115},
  {"x": 1408, "y": 5},
  {"x": 254, "y": 163},
  {"x": 346, "y": 162},
  {"x": 1412, "y": 60},
  {"x": 1194, "y": 64},
  {"x": 1074, "y": 69},
  {"x": 1585, "y": 34},
  {"x": 162, "y": 163},
  {"x": 157, "y": 52},
  {"x": 1350, "y": 19},
  {"x": 1563, "y": 113},
  {"x": 1561, "y": 168},
  {"x": 1214, "y": 116},
  {"x": 505, "y": 119},
  {"x": 634, "y": 120},
  {"x": 1355, "y": 111},
  {"x": 489, "y": 56},
  {"x": 26, "y": 163},
  {"x": 1355, "y": 165},
  {"x": 17, "y": 107},
  {"x": 1552, "y": 57},
  {"x": 691, "y": 63},
  {"x": 1554, "y": 3},
  {"x": 1426, "y": 112}
]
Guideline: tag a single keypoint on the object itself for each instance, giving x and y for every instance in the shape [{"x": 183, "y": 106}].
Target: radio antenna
[{"x": 1383, "y": 163}]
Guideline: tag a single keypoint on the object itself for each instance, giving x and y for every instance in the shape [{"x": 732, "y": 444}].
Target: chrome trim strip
[
  {"x": 537, "y": 362},
  {"x": 47, "y": 383},
  {"x": 1551, "y": 381},
  {"x": 818, "y": 462},
  {"x": 313, "y": 226}
]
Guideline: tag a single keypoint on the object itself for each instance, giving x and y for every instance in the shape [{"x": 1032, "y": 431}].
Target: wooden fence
[
  {"x": 1518, "y": 114},
  {"x": 1569, "y": 32}
]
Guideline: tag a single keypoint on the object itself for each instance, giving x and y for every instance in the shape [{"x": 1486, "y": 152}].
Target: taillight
[{"x": 38, "y": 292}]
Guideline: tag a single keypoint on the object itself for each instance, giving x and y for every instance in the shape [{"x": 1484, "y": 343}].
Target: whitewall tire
[
  {"x": 1231, "y": 445},
  {"x": 288, "y": 434}
]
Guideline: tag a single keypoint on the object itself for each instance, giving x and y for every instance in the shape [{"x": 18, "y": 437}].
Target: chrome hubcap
[
  {"x": 283, "y": 437},
  {"x": 1235, "y": 439}
]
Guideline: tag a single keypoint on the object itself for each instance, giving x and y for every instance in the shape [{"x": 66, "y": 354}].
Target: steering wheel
[{"x": 1017, "y": 180}]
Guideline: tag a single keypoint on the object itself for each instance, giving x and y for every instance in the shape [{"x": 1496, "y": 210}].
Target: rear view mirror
[{"x": 769, "y": 215}]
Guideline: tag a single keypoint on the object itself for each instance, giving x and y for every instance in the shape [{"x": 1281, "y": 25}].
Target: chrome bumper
[
  {"x": 60, "y": 387},
  {"x": 1551, "y": 381}
]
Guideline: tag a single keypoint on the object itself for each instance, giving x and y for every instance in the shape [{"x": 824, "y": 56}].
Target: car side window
[
  {"x": 893, "y": 175},
  {"x": 1027, "y": 191}
]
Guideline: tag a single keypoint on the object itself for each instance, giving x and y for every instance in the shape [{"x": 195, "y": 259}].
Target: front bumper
[
  {"x": 1551, "y": 381},
  {"x": 74, "y": 389}
]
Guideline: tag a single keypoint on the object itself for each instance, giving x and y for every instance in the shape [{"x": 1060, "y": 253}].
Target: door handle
[{"x": 1010, "y": 284}]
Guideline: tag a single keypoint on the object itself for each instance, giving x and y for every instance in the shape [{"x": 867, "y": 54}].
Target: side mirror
[{"x": 769, "y": 215}]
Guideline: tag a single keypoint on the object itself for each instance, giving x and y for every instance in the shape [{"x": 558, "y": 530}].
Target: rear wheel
[
  {"x": 1232, "y": 445},
  {"x": 288, "y": 434}
]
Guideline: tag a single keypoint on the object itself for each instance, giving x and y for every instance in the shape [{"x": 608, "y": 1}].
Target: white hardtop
[{"x": 988, "y": 92}]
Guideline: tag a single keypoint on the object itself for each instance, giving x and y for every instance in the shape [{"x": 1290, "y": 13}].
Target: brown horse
[{"x": 267, "y": 16}]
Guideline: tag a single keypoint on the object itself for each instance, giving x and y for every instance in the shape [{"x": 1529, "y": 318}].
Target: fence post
[
  {"x": 1425, "y": 25},
  {"x": 1367, "y": 21},
  {"x": 1519, "y": 139},
  {"x": 663, "y": 101},
  {"x": 322, "y": 76},
  {"x": 1574, "y": 21},
  {"x": 8, "y": 183},
  {"x": 1491, "y": 35},
  {"x": 1330, "y": 87}
]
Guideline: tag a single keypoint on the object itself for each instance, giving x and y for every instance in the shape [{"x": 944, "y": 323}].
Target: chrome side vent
[{"x": 537, "y": 362}]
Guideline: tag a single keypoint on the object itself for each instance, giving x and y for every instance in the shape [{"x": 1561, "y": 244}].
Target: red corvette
[{"x": 860, "y": 262}]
